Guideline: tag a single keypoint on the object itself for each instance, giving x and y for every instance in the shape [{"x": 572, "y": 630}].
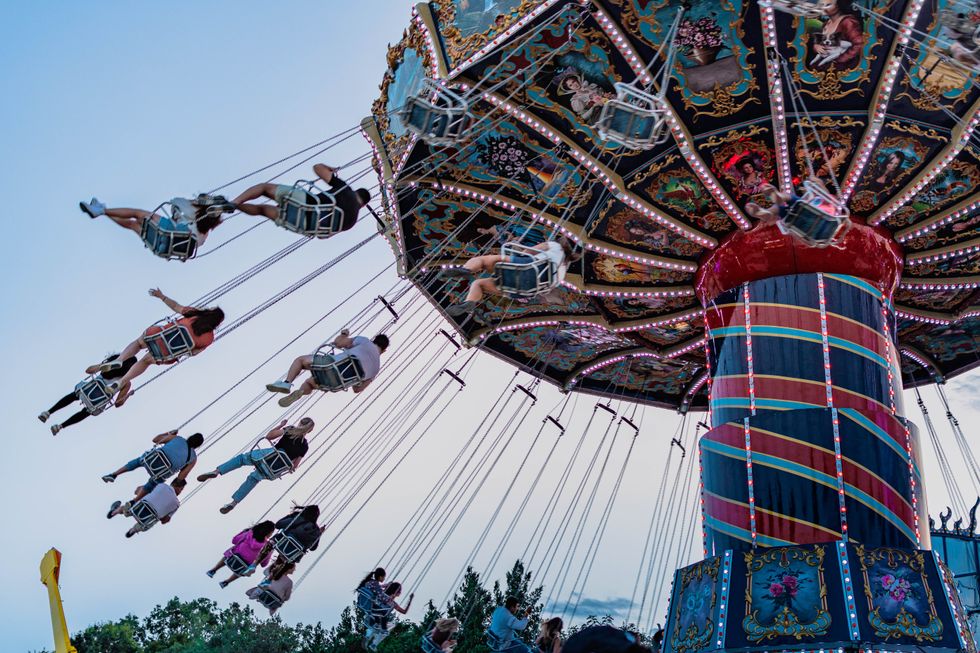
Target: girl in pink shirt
[{"x": 246, "y": 545}]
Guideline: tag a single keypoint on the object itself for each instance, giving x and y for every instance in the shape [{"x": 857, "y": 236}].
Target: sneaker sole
[{"x": 274, "y": 388}]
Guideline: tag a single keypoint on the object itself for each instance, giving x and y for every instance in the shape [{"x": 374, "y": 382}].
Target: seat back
[
  {"x": 310, "y": 211},
  {"x": 494, "y": 642},
  {"x": 144, "y": 515},
  {"x": 428, "y": 646},
  {"x": 372, "y": 610},
  {"x": 170, "y": 343},
  {"x": 437, "y": 114},
  {"x": 287, "y": 547},
  {"x": 274, "y": 465},
  {"x": 817, "y": 218},
  {"x": 93, "y": 394},
  {"x": 525, "y": 278},
  {"x": 269, "y": 599},
  {"x": 805, "y": 8},
  {"x": 157, "y": 464},
  {"x": 635, "y": 119},
  {"x": 334, "y": 375},
  {"x": 170, "y": 238},
  {"x": 236, "y": 564}
]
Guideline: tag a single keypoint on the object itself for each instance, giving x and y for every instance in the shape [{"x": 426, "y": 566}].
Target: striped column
[{"x": 810, "y": 443}]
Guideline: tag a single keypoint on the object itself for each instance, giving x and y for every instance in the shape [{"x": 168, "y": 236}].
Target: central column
[{"x": 809, "y": 440}]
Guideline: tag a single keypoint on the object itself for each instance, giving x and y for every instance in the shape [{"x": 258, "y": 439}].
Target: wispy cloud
[{"x": 589, "y": 606}]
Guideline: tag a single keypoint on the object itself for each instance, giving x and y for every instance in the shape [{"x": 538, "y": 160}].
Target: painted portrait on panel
[
  {"x": 836, "y": 39},
  {"x": 580, "y": 84},
  {"x": 828, "y": 154},
  {"x": 746, "y": 165}
]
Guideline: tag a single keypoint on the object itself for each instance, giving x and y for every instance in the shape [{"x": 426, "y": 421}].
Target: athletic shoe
[
  {"x": 223, "y": 584},
  {"x": 207, "y": 477},
  {"x": 94, "y": 208},
  {"x": 44, "y": 416},
  {"x": 112, "y": 509},
  {"x": 110, "y": 366},
  {"x": 291, "y": 399},
  {"x": 56, "y": 429},
  {"x": 210, "y": 573},
  {"x": 109, "y": 478},
  {"x": 131, "y": 532},
  {"x": 228, "y": 507},
  {"x": 279, "y": 386},
  {"x": 462, "y": 308}
]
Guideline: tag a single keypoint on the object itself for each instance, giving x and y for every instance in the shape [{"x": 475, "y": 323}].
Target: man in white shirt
[
  {"x": 366, "y": 351},
  {"x": 162, "y": 499},
  {"x": 504, "y": 624}
]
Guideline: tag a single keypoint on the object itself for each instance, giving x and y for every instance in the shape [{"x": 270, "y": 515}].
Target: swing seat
[
  {"x": 157, "y": 464},
  {"x": 428, "y": 646},
  {"x": 976, "y": 40},
  {"x": 144, "y": 515},
  {"x": 169, "y": 343},
  {"x": 334, "y": 375},
  {"x": 805, "y": 8},
  {"x": 310, "y": 211},
  {"x": 287, "y": 547},
  {"x": 373, "y": 613},
  {"x": 494, "y": 642},
  {"x": 817, "y": 218},
  {"x": 528, "y": 274},
  {"x": 171, "y": 237},
  {"x": 438, "y": 115},
  {"x": 635, "y": 119},
  {"x": 236, "y": 564},
  {"x": 274, "y": 465},
  {"x": 269, "y": 599},
  {"x": 93, "y": 394}
]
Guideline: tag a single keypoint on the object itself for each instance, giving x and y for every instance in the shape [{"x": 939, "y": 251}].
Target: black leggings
[{"x": 66, "y": 401}]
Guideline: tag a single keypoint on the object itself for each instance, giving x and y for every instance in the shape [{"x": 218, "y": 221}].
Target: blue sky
[{"x": 139, "y": 102}]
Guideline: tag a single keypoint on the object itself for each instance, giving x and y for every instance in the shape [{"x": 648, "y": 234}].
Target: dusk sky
[{"x": 136, "y": 103}]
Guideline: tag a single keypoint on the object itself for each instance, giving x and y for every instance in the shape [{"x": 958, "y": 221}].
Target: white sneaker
[
  {"x": 56, "y": 429},
  {"x": 110, "y": 366},
  {"x": 279, "y": 386},
  {"x": 44, "y": 416},
  {"x": 94, "y": 208},
  {"x": 291, "y": 399}
]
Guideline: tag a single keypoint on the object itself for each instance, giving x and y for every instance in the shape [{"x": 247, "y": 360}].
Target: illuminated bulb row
[
  {"x": 921, "y": 318},
  {"x": 598, "y": 366},
  {"x": 704, "y": 517},
  {"x": 629, "y": 329},
  {"x": 911, "y": 355},
  {"x": 413, "y": 139},
  {"x": 845, "y": 572},
  {"x": 706, "y": 343},
  {"x": 429, "y": 42},
  {"x": 969, "y": 314},
  {"x": 685, "y": 349},
  {"x": 884, "y": 94},
  {"x": 913, "y": 484},
  {"x": 610, "y": 28},
  {"x": 776, "y": 96},
  {"x": 748, "y": 470},
  {"x": 918, "y": 285},
  {"x": 685, "y": 267},
  {"x": 932, "y": 258},
  {"x": 747, "y": 313},
  {"x": 933, "y": 226},
  {"x": 630, "y": 293},
  {"x": 886, "y": 331},
  {"x": 590, "y": 164},
  {"x": 936, "y": 170},
  {"x": 503, "y": 36},
  {"x": 726, "y": 583},
  {"x": 960, "y": 619},
  {"x": 703, "y": 173},
  {"x": 829, "y": 385}
]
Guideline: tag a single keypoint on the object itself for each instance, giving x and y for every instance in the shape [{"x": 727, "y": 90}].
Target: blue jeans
[
  {"x": 138, "y": 462},
  {"x": 515, "y": 646},
  {"x": 248, "y": 458}
]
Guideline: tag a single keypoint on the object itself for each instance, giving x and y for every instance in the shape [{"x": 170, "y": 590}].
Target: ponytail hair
[{"x": 378, "y": 575}]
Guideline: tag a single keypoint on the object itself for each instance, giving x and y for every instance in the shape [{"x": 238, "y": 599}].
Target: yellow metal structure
[{"x": 50, "y": 569}]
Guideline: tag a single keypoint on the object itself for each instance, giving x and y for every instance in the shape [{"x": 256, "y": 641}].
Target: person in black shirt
[
  {"x": 73, "y": 396},
  {"x": 291, "y": 440},
  {"x": 604, "y": 639},
  {"x": 301, "y": 525},
  {"x": 347, "y": 199}
]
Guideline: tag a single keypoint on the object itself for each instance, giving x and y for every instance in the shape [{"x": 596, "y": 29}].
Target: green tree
[
  {"x": 110, "y": 637},
  {"x": 472, "y": 605},
  {"x": 517, "y": 583}
]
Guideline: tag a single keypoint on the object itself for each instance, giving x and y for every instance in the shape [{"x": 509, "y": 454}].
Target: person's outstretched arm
[
  {"x": 164, "y": 438},
  {"x": 324, "y": 172},
  {"x": 185, "y": 470},
  {"x": 344, "y": 341},
  {"x": 171, "y": 304},
  {"x": 277, "y": 432},
  {"x": 362, "y": 386}
]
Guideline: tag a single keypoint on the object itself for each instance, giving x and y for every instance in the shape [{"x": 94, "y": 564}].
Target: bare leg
[
  {"x": 300, "y": 364},
  {"x": 482, "y": 287},
  {"x": 307, "y": 387},
  {"x": 479, "y": 264},
  {"x": 132, "y": 349},
  {"x": 131, "y": 219},
  {"x": 229, "y": 580},
  {"x": 255, "y": 192},
  {"x": 221, "y": 563},
  {"x": 141, "y": 366}
]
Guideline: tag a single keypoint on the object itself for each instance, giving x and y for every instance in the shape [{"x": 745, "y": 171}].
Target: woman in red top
[{"x": 201, "y": 322}]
